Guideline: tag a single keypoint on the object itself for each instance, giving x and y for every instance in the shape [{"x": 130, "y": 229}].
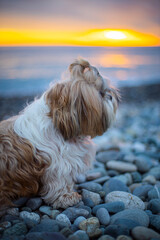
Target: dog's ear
[{"x": 76, "y": 109}]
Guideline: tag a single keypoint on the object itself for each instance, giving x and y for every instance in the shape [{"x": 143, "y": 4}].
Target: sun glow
[{"x": 115, "y": 35}]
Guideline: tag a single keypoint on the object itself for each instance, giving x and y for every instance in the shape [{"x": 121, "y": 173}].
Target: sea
[{"x": 30, "y": 70}]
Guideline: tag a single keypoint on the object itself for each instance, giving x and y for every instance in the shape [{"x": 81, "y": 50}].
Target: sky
[{"x": 85, "y": 22}]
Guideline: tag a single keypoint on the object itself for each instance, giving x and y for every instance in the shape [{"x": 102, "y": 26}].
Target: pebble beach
[{"x": 120, "y": 194}]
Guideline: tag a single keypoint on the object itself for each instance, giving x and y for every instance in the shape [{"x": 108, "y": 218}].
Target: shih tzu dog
[{"x": 44, "y": 148}]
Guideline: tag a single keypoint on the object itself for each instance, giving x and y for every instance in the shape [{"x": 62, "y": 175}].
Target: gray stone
[
  {"x": 107, "y": 156},
  {"x": 103, "y": 216},
  {"x": 143, "y": 164},
  {"x": 106, "y": 237},
  {"x": 123, "y": 237},
  {"x": 88, "y": 195},
  {"x": 155, "y": 171},
  {"x": 46, "y": 210},
  {"x": 34, "y": 203},
  {"x": 112, "y": 173},
  {"x": 78, "y": 221},
  {"x": 21, "y": 201},
  {"x": 72, "y": 213},
  {"x": 129, "y": 224},
  {"x": 142, "y": 191},
  {"x": 91, "y": 186},
  {"x": 136, "y": 215},
  {"x": 144, "y": 233},
  {"x": 63, "y": 219},
  {"x": 101, "y": 179},
  {"x": 93, "y": 175},
  {"x": 154, "y": 206},
  {"x": 121, "y": 178},
  {"x": 155, "y": 222},
  {"x": 121, "y": 166},
  {"x": 82, "y": 235},
  {"x": 13, "y": 211},
  {"x": 149, "y": 179},
  {"x": 66, "y": 231},
  {"x": 115, "y": 230},
  {"x": 54, "y": 214},
  {"x": 136, "y": 177},
  {"x": 46, "y": 225},
  {"x": 16, "y": 230},
  {"x": 30, "y": 216},
  {"x": 114, "y": 185},
  {"x": 81, "y": 178},
  {"x": 44, "y": 236},
  {"x": 154, "y": 193},
  {"x": 5, "y": 224},
  {"x": 130, "y": 201},
  {"x": 112, "y": 207}
]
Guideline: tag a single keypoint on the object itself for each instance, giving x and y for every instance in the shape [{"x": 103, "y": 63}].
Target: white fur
[{"x": 66, "y": 158}]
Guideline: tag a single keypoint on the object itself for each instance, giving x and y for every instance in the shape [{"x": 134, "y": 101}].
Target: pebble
[
  {"x": 44, "y": 236},
  {"x": 130, "y": 201},
  {"x": 112, "y": 207},
  {"x": 24, "y": 215},
  {"x": 124, "y": 237},
  {"x": 66, "y": 231},
  {"x": 144, "y": 233},
  {"x": 115, "y": 230},
  {"x": 93, "y": 176},
  {"x": 91, "y": 186},
  {"x": 137, "y": 215},
  {"x": 93, "y": 197},
  {"x": 78, "y": 221},
  {"x": 142, "y": 191},
  {"x": 81, "y": 178},
  {"x": 129, "y": 224},
  {"x": 91, "y": 227},
  {"x": 121, "y": 166},
  {"x": 5, "y": 225},
  {"x": 34, "y": 203},
  {"x": 149, "y": 179},
  {"x": 136, "y": 177},
  {"x": 81, "y": 235},
  {"x": 54, "y": 214},
  {"x": 114, "y": 185},
  {"x": 121, "y": 178},
  {"x": 46, "y": 225},
  {"x": 143, "y": 164},
  {"x": 106, "y": 237},
  {"x": 103, "y": 216},
  {"x": 154, "y": 193},
  {"x": 155, "y": 221},
  {"x": 72, "y": 213},
  {"x": 16, "y": 230},
  {"x": 154, "y": 206},
  {"x": 46, "y": 210},
  {"x": 21, "y": 201},
  {"x": 63, "y": 219},
  {"x": 155, "y": 171},
  {"x": 133, "y": 186},
  {"x": 107, "y": 156},
  {"x": 101, "y": 179},
  {"x": 13, "y": 211}
]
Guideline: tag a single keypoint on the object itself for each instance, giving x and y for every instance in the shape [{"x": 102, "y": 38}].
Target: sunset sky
[{"x": 82, "y": 23}]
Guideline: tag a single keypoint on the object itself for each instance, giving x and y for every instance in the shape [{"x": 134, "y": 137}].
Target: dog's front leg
[{"x": 59, "y": 192}]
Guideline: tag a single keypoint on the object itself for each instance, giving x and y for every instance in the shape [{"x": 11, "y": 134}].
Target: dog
[{"x": 48, "y": 144}]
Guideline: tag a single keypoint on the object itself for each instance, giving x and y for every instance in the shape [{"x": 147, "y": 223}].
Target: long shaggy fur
[{"x": 43, "y": 149}]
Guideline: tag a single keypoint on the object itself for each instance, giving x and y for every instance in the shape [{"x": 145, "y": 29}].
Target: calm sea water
[{"x": 30, "y": 70}]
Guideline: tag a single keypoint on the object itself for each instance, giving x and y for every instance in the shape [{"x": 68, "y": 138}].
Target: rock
[
  {"x": 21, "y": 201},
  {"x": 91, "y": 186},
  {"x": 136, "y": 177},
  {"x": 9, "y": 218},
  {"x": 138, "y": 147},
  {"x": 16, "y": 230},
  {"x": 142, "y": 191},
  {"x": 46, "y": 225},
  {"x": 81, "y": 178},
  {"x": 143, "y": 164},
  {"x": 5, "y": 225},
  {"x": 88, "y": 195},
  {"x": 34, "y": 203},
  {"x": 121, "y": 178},
  {"x": 103, "y": 216},
  {"x": 123, "y": 237},
  {"x": 130, "y": 201},
  {"x": 129, "y": 224},
  {"x": 107, "y": 156},
  {"x": 155, "y": 171},
  {"x": 66, "y": 231},
  {"x": 63, "y": 219},
  {"x": 133, "y": 186},
  {"x": 112, "y": 173},
  {"x": 101, "y": 179},
  {"x": 13, "y": 211},
  {"x": 154, "y": 206},
  {"x": 106, "y": 237},
  {"x": 91, "y": 227},
  {"x": 121, "y": 166},
  {"x": 30, "y": 216},
  {"x": 149, "y": 179},
  {"x": 144, "y": 233},
  {"x": 154, "y": 193},
  {"x": 54, "y": 214},
  {"x": 44, "y": 236},
  {"x": 81, "y": 235},
  {"x": 114, "y": 185},
  {"x": 72, "y": 213},
  {"x": 112, "y": 207},
  {"x": 136, "y": 215},
  {"x": 155, "y": 222},
  {"x": 46, "y": 210},
  {"x": 27, "y": 209},
  {"x": 78, "y": 221},
  {"x": 93, "y": 175},
  {"x": 115, "y": 230}
]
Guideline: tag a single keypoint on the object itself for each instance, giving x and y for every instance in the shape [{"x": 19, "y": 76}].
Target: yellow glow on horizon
[
  {"x": 114, "y": 35},
  {"x": 96, "y": 37}
]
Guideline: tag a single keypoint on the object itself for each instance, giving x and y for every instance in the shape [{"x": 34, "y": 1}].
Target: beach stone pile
[{"x": 120, "y": 194}]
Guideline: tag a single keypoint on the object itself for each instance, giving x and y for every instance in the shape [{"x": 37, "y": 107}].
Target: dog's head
[{"x": 83, "y": 105}]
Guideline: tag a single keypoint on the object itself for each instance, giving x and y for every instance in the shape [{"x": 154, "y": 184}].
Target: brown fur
[{"x": 17, "y": 157}]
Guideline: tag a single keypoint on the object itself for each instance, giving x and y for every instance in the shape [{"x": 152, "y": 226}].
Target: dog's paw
[{"x": 67, "y": 200}]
